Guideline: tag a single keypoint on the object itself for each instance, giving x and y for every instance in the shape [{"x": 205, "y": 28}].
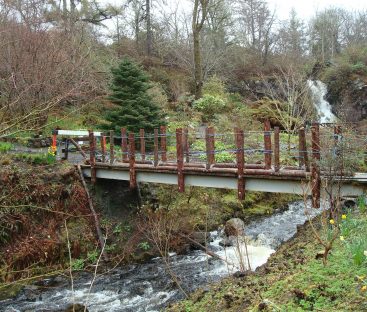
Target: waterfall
[{"x": 323, "y": 107}]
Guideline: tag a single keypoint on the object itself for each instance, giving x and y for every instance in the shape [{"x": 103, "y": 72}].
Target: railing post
[
  {"x": 240, "y": 155},
  {"x": 267, "y": 144},
  {"x": 112, "y": 147},
  {"x": 142, "y": 144},
  {"x": 186, "y": 144},
  {"x": 337, "y": 139},
  {"x": 338, "y": 149},
  {"x": 315, "y": 172},
  {"x": 103, "y": 147},
  {"x": 210, "y": 147},
  {"x": 124, "y": 151},
  {"x": 66, "y": 149},
  {"x": 303, "y": 154},
  {"x": 92, "y": 156},
  {"x": 180, "y": 162},
  {"x": 276, "y": 149},
  {"x": 132, "y": 171},
  {"x": 164, "y": 143},
  {"x": 54, "y": 141},
  {"x": 156, "y": 156}
]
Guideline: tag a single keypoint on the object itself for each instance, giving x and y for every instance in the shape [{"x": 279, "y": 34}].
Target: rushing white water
[
  {"x": 149, "y": 287},
  {"x": 323, "y": 107}
]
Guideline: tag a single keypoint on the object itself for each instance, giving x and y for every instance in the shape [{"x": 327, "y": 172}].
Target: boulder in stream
[{"x": 234, "y": 227}]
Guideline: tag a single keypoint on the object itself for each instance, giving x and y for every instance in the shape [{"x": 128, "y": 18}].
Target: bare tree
[
  {"x": 256, "y": 25},
  {"x": 291, "y": 97},
  {"x": 199, "y": 15}
]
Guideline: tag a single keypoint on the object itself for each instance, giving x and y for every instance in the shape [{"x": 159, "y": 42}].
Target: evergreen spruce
[{"x": 134, "y": 107}]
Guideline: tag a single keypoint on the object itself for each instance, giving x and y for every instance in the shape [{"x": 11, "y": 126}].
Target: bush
[{"x": 209, "y": 105}]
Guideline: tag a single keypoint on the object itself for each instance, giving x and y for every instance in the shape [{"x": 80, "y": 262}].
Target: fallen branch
[
  {"x": 78, "y": 148},
  {"x": 96, "y": 220},
  {"x": 206, "y": 250}
]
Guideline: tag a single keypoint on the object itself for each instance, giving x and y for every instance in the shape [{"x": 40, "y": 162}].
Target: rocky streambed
[{"x": 152, "y": 285}]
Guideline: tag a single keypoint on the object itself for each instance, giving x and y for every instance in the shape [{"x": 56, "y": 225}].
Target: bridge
[{"x": 314, "y": 160}]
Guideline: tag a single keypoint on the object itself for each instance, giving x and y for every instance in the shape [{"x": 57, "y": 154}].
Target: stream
[{"x": 148, "y": 286}]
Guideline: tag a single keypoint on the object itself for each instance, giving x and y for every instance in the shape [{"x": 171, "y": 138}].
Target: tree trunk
[
  {"x": 149, "y": 29},
  {"x": 197, "y": 66},
  {"x": 198, "y": 18}
]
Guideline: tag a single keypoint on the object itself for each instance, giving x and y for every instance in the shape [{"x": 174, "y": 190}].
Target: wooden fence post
[
  {"x": 276, "y": 149},
  {"x": 132, "y": 171},
  {"x": 54, "y": 141},
  {"x": 303, "y": 154},
  {"x": 267, "y": 144},
  {"x": 103, "y": 147},
  {"x": 180, "y": 162},
  {"x": 156, "y": 156},
  {"x": 66, "y": 149},
  {"x": 112, "y": 147},
  {"x": 163, "y": 143},
  {"x": 124, "y": 150},
  {"x": 315, "y": 172},
  {"x": 240, "y": 155},
  {"x": 210, "y": 147},
  {"x": 186, "y": 144},
  {"x": 92, "y": 156},
  {"x": 142, "y": 144}
]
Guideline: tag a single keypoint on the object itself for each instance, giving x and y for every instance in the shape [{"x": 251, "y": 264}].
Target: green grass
[{"x": 5, "y": 147}]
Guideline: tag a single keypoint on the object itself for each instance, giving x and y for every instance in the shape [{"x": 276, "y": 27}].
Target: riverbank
[{"x": 295, "y": 279}]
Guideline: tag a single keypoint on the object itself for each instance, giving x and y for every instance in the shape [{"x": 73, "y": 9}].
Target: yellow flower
[
  {"x": 332, "y": 221},
  {"x": 364, "y": 288},
  {"x": 341, "y": 238},
  {"x": 344, "y": 217}
]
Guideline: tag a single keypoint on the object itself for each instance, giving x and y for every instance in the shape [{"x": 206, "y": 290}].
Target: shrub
[{"x": 209, "y": 105}]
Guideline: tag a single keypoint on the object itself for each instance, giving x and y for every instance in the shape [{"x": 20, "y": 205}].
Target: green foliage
[
  {"x": 144, "y": 246},
  {"x": 222, "y": 154},
  {"x": 209, "y": 105},
  {"x": 361, "y": 203},
  {"x": 134, "y": 108},
  {"x": 5, "y": 147},
  {"x": 37, "y": 159},
  {"x": 78, "y": 264},
  {"x": 215, "y": 87},
  {"x": 357, "y": 248},
  {"x": 92, "y": 257}
]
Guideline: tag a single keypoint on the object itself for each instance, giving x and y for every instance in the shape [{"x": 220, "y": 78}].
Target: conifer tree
[{"x": 135, "y": 108}]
